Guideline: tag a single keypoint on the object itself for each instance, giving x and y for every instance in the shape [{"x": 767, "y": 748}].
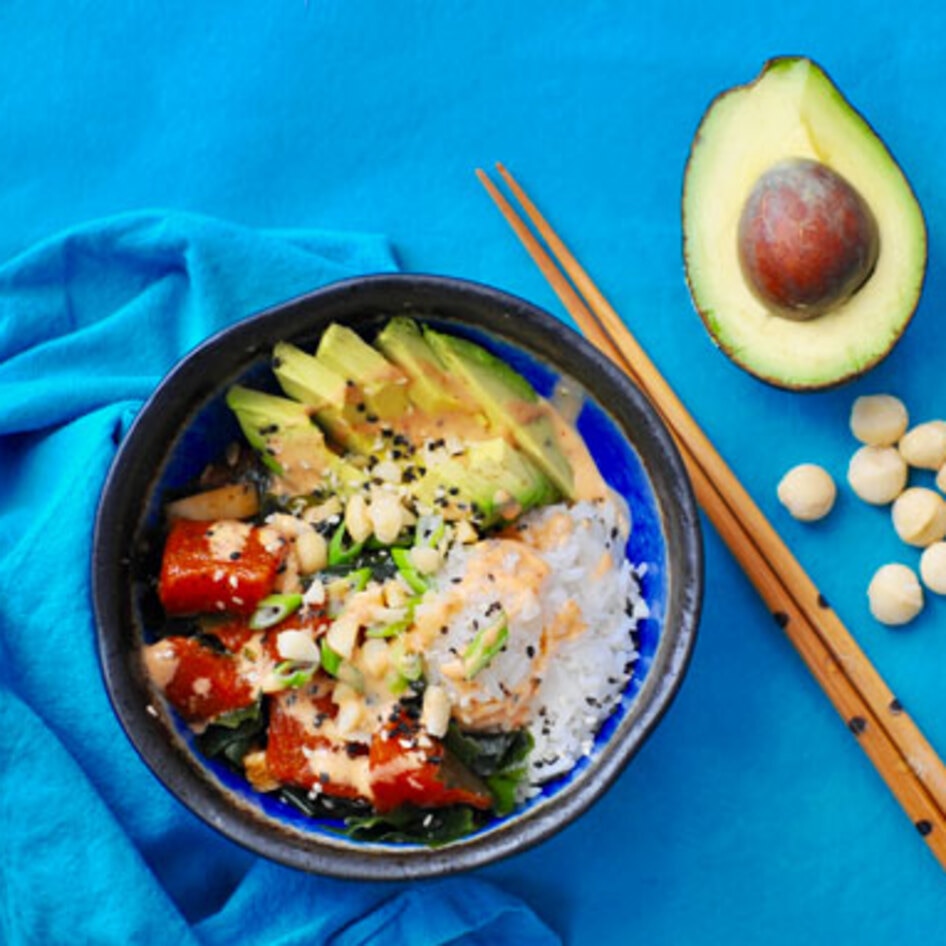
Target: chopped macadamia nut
[
  {"x": 919, "y": 516},
  {"x": 895, "y": 595},
  {"x": 924, "y": 446},
  {"x": 933, "y": 567},
  {"x": 311, "y": 552},
  {"x": 879, "y": 419},
  {"x": 877, "y": 475},
  {"x": 356, "y": 518},
  {"x": 807, "y": 492}
]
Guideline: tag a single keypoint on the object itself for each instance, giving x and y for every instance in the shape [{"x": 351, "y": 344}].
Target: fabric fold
[{"x": 95, "y": 849}]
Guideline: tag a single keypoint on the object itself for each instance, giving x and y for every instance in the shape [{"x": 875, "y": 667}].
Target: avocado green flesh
[
  {"x": 305, "y": 378},
  {"x": 493, "y": 477},
  {"x": 403, "y": 343},
  {"x": 281, "y": 430},
  {"x": 460, "y": 464},
  {"x": 383, "y": 385},
  {"x": 509, "y": 401},
  {"x": 794, "y": 110}
]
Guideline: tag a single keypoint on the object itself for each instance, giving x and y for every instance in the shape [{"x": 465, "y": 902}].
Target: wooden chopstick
[{"x": 890, "y": 738}]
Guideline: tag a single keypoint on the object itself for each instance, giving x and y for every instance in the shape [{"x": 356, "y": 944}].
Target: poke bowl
[{"x": 394, "y": 579}]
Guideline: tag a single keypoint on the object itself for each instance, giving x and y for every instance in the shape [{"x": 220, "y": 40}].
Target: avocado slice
[
  {"x": 335, "y": 402},
  {"x": 288, "y": 441},
  {"x": 498, "y": 481},
  {"x": 305, "y": 378},
  {"x": 509, "y": 401},
  {"x": 793, "y": 113},
  {"x": 383, "y": 385},
  {"x": 431, "y": 387}
]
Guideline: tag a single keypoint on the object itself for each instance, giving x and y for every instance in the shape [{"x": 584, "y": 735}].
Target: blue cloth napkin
[{"x": 93, "y": 848}]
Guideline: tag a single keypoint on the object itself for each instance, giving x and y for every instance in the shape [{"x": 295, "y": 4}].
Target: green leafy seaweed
[
  {"x": 233, "y": 734},
  {"x": 497, "y": 758},
  {"x": 408, "y": 824}
]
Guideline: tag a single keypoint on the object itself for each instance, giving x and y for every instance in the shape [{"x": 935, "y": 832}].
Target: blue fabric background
[{"x": 750, "y": 816}]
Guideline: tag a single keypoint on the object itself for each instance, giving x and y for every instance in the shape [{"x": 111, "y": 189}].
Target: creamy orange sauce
[
  {"x": 161, "y": 663},
  {"x": 303, "y": 467},
  {"x": 588, "y": 482},
  {"x": 228, "y": 537}
]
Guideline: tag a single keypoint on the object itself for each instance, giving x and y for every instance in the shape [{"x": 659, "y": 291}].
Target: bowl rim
[{"x": 516, "y": 322}]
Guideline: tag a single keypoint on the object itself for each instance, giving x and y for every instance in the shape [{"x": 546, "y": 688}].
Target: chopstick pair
[{"x": 885, "y": 731}]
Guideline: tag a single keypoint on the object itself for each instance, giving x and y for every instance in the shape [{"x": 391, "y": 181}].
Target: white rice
[{"x": 562, "y": 687}]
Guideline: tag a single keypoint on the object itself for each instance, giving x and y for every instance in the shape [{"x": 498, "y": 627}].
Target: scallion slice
[
  {"x": 416, "y": 582},
  {"x": 486, "y": 644},
  {"x": 293, "y": 675},
  {"x": 338, "y": 552},
  {"x": 331, "y": 659},
  {"x": 273, "y": 609}
]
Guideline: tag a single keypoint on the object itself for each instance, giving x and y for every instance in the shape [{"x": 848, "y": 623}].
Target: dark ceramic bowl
[{"x": 185, "y": 424}]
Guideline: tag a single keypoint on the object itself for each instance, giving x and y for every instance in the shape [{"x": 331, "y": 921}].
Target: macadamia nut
[
  {"x": 941, "y": 480},
  {"x": 895, "y": 595},
  {"x": 807, "y": 492},
  {"x": 919, "y": 516},
  {"x": 879, "y": 419},
  {"x": 924, "y": 446},
  {"x": 933, "y": 567},
  {"x": 877, "y": 474}
]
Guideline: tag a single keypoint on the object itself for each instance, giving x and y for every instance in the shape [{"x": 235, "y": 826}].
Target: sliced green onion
[
  {"x": 331, "y": 659},
  {"x": 293, "y": 675},
  {"x": 338, "y": 553},
  {"x": 416, "y": 582},
  {"x": 350, "y": 674},
  {"x": 389, "y": 630},
  {"x": 359, "y": 579},
  {"x": 429, "y": 532},
  {"x": 409, "y": 665},
  {"x": 396, "y": 683},
  {"x": 273, "y": 609},
  {"x": 487, "y": 643}
]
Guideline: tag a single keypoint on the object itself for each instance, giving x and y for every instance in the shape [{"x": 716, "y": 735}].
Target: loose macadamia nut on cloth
[
  {"x": 877, "y": 474},
  {"x": 807, "y": 492},
  {"x": 924, "y": 446},
  {"x": 933, "y": 567},
  {"x": 919, "y": 516},
  {"x": 879, "y": 419},
  {"x": 895, "y": 594}
]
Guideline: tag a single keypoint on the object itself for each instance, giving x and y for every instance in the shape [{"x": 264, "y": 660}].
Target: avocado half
[{"x": 794, "y": 110}]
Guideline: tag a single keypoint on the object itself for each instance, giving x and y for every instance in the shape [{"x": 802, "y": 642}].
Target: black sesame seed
[
  {"x": 530, "y": 651},
  {"x": 857, "y": 724},
  {"x": 371, "y": 418},
  {"x": 235, "y": 556}
]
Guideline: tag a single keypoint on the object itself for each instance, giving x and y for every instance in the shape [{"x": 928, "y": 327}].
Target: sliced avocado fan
[{"x": 510, "y": 402}]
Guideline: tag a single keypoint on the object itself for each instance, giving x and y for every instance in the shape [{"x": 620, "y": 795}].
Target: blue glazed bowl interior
[{"x": 186, "y": 424}]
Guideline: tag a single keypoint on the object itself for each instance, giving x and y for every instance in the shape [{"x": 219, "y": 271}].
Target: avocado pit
[{"x": 807, "y": 239}]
